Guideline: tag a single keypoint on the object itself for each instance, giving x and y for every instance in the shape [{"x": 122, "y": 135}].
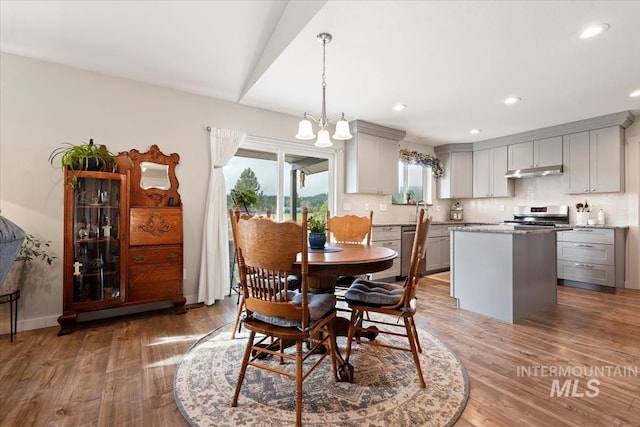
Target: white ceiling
[{"x": 451, "y": 62}]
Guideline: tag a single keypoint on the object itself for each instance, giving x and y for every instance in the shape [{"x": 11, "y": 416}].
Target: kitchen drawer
[
  {"x": 155, "y": 255},
  {"x": 588, "y": 235},
  {"x": 598, "y": 274},
  {"x": 159, "y": 281},
  {"x": 155, "y": 226},
  {"x": 438, "y": 230},
  {"x": 386, "y": 232},
  {"x": 586, "y": 252},
  {"x": 394, "y": 270}
]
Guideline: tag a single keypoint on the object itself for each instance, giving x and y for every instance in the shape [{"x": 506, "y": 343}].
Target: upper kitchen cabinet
[
  {"x": 594, "y": 161},
  {"x": 371, "y": 159},
  {"x": 457, "y": 181},
  {"x": 489, "y": 167},
  {"x": 535, "y": 154}
]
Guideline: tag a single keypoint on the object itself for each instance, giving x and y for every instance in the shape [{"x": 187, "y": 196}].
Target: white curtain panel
[{"x": 214, "y": 262}]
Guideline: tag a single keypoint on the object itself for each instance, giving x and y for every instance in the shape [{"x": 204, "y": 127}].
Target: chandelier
[{"x": 305, "y": 130}]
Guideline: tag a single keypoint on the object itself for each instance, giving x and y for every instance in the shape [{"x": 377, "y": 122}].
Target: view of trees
[{"x": 248, "y": 181}]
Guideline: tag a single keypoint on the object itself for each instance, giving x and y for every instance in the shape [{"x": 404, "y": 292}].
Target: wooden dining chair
[
  {"x": 267, "y": 251},
  {"x": 349, "y": 229},
  {"x": 235, "y": 214},
  {"x": 396, "y": 301}
]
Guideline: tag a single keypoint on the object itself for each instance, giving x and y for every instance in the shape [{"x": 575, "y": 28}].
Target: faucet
[{"x": 423, "y": 203}]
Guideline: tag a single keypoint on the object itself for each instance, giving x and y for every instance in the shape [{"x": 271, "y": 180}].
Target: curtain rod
[{"x": 208, "y": 128}]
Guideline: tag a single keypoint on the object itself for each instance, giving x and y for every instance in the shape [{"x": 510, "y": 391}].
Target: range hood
[{"x": 531, "y": 172}]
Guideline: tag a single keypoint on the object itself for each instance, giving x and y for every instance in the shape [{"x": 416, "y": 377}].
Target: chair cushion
[
  {"x": 373, "y": 294},
  {"x": 294, "y": 282},
  {"x": 319, "y": 305},
  {"x": 345, "y": 281},
  {"x": 11, "y": 238}
]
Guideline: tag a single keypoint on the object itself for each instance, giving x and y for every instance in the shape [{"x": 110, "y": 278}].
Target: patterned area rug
[{"x": 385, "y": 391}]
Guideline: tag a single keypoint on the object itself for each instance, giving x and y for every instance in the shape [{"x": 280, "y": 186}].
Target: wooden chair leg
[
  {"x": 415, "y": 334},
  {"x": 299, "y": 374},
  {"x": 350, "y": 334},
  {"x": 243, "y": 368},
  {"x": 414, "y": 350},
  {"x": 237, "y": 321},
  {"x": 333, "y": 348}
]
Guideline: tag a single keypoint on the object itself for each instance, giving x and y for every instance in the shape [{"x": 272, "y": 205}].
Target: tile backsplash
[{"x": 528, "y": 191}]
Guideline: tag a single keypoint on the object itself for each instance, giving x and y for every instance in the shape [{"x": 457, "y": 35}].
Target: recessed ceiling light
[
  {"x": 512, "y": 100},
  {"x": 399, "y": 107},
  {"x": 635, "y": 93},
  {"x": 475, "y": 131},
  {"x": 594, "y": 30}
]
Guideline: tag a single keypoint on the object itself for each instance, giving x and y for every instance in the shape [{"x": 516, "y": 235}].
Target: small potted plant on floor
[
  {"x": 316, "y": 225},
  {"x": 85, "y": 156}
]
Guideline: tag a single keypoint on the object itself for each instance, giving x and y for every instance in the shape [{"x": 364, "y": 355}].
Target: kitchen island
[{"x": 503, "y": 271}]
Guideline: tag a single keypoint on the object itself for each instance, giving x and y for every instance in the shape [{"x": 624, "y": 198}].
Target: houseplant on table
[
  {"x": 317, "y": 226},
  {"x": 85, "y": 156}
]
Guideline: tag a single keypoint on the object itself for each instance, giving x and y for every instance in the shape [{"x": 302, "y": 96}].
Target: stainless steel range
[{"x": 540, "y": 216}]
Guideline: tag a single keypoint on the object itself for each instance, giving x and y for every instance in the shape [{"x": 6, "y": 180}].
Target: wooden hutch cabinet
[{"x": 123, "y": 236}]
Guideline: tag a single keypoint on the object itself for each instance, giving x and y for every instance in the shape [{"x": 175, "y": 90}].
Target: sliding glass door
[{"x": 284, "y": 178}]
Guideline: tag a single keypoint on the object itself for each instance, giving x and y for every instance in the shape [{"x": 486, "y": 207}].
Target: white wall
[{"x": 44, "y": 104}]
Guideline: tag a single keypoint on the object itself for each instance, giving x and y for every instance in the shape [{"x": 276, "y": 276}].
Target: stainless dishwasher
[{"x": 408, "y": 234}]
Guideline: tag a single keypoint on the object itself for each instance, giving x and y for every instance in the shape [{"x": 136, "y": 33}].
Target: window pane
[
  {"x": 257, "y": 171},
  {"x": 307, "y": 184},
  {"x": 411, "y": 187}
]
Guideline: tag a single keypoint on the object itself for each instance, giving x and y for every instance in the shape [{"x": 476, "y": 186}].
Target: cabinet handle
[
  {"x": 585, "y": 230},
  {"x": 578, "y": 264},
  {"x": 593, "y": 189},
  {"x": 140, "y": 258},
  {"x": 586, "y": 190},
  {"x": 172, "y": 256},
  {"x": 582, "y": 245}
]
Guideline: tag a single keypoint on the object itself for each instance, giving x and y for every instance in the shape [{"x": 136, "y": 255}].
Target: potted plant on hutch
[
  {"x": 317, "y": 231},
  {"x": 85, "y": 156}
]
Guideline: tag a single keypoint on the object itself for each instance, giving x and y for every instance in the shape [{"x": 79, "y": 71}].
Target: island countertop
[{"x": 508, "y": 229}]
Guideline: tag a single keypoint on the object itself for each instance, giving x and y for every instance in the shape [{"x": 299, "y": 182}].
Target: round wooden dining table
[{"x": 342, "y": 259}]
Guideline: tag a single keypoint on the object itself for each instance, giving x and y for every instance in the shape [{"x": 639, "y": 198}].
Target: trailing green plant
[
  {"x": 85, "y": 156},
  {"x": 244, "y": 198},
  {"x": 34, "y": 248},
  {"x": 316, "y": 224}
]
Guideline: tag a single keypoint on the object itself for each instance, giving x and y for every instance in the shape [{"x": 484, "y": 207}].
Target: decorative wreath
[{"x": 424, "y": 160}]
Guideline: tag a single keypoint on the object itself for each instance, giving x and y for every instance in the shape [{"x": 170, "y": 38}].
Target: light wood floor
[{"x": 119, "y": 372}]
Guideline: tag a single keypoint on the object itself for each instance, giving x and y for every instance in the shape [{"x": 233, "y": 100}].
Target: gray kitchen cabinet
[
  {"x": 371, "y": 159},
  {"x": 457, "y": 181},
  {"x": 438, "y": 254},
  {"x": 535, "y": 154},
  {"x": 489, "y": 167},
  {"x": 547, "y": 152},
  {"x": 591, "y": 256},
  {"x": 388, "y": 236},
  {"x": 594, "y": 161}
]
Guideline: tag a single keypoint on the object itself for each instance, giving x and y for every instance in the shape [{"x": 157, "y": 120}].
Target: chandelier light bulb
[
  {"x": 305, "y": 131},
  {"x": 323, "y": 139},
  {"x": 342, "y": 130}
]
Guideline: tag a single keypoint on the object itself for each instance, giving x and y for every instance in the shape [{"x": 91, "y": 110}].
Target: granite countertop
[
  {"x": 605, "y": 226},
  {"x": 447, "y": 222},
  {"x": 508, "y": 229}
]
